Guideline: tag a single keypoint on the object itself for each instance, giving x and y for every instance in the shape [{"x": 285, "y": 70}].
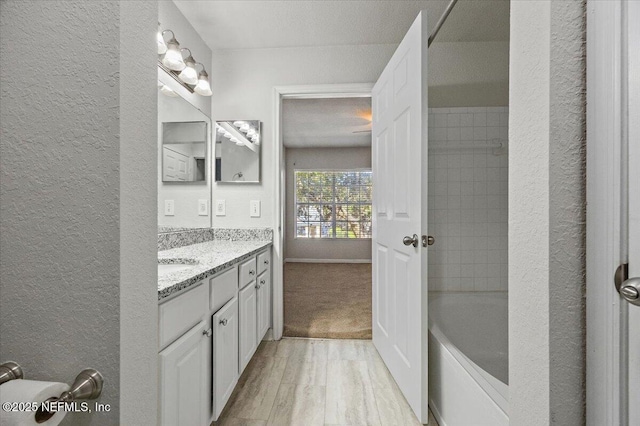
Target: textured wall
[
  {"x": 567, "y": 213},
  {"x": 71, "y": 213},
  {"x": 138, "y": 224},
  {"x": 59, "y": 207},
  {"x": 546, "y": 213},
  {"x": 328, "y": 159}
]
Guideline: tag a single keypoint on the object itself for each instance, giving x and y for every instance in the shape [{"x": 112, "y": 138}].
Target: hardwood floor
[{"x": 317, "y": 382}]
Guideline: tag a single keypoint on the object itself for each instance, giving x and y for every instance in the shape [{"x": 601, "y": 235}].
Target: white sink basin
[{"x": 168, "y": 268}]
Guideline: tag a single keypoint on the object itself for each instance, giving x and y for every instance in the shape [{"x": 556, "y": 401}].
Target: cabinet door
[
  {"x": 183, "y": 379},
  {"x": 248, "y": 324},
  {"x": 225, "y": 354},
  {"x": 264, "y": 304}
]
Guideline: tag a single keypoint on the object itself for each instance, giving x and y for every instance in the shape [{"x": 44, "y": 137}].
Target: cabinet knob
[
  {"x": 207, "y": 333},
  {"x": 224, "y": 322},
  {"x": 257, "y": 286},
  {"x": 262, "y": 282},
  {"x": 252, "y": 272},
  {"x": 266, "y": 261}
]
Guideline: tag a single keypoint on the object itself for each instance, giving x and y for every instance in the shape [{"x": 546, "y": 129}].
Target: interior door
[
  {"x": 399, "y": 148},
  {"x": 633, "y": 205}
]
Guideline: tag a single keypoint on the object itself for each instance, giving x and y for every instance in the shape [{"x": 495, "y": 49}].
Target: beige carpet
[{"x": 327, "y": 300}]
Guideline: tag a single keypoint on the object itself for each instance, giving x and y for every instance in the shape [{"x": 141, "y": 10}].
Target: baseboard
[{"x": 298, "y": 260}]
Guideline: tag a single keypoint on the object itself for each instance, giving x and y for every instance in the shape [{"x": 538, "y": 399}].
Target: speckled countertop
[{"x": 209, "y": 258}]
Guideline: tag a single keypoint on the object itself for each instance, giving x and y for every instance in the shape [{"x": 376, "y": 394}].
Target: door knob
[
  {"x": 411, "y": 241},
  {"x": 630, "y": 291}
]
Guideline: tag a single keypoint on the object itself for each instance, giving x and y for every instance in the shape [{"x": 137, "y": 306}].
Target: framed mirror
[{"x": 237, "y": 151}]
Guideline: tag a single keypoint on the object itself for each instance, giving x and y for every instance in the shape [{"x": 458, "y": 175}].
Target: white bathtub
[{"x": 468, "y": 358}]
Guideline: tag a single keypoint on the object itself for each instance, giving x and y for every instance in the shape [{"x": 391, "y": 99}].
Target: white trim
[
  {"x": 317, "y": 91},
  {"x": 302, "y": 260},
  {"x": 604, "y": 402}
]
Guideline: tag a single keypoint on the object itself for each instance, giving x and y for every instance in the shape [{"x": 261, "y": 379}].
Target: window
[{"x": 333, "y": 204}]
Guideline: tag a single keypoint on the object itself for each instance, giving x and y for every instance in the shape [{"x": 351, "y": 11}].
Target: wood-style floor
[{"x": 317, "y": 382}]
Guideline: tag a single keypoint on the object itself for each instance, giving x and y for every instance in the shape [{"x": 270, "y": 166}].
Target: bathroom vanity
[{"x": 214, "y": 309}]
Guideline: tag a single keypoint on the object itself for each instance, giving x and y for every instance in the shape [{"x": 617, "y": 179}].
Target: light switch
[
  {"x": 203, "y": 207},
  {"x": 254, "y": 208},
  {"x": 221, "y": 209},
  {"x": 169, "y": 208}
]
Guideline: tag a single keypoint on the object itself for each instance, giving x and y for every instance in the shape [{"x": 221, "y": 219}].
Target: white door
[
  {"x": 633, "y": 237},
  {"x": 399, "y": 148},
  {"x": 225, "y": 354},
  {"x": 183, "y": 375}
]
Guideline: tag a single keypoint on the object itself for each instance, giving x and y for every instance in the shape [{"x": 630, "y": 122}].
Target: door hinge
[{"x": 621, "y": 275}]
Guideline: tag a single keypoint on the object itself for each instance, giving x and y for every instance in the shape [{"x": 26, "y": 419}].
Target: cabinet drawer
[
  {"x": 223, "y": 288},
  {"x": 247, "y": 272},
  {"x": 182, "y": 313},
  {"x": 264, "y": 259}
]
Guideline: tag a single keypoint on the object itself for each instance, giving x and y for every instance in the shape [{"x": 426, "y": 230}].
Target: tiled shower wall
[{"x": 468, "y": 199}]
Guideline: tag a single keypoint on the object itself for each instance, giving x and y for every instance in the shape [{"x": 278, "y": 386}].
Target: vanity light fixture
[
  {"x": 189, "y": 74},
  {"x": 183, "y": 69},
  {"x": 202, "y": 87},
  {"x": 173, "y": 56}
]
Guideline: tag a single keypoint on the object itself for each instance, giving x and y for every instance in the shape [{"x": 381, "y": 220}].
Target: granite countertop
[{"x": 209, "y": 257}]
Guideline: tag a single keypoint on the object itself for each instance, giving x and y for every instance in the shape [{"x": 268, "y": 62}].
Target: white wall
[
  {"x": 546, "y": 213},
  {"x": 322, "y": 159},
  {"x": 468, "y": 201},
  {"x": 76, "y": 203},
  {"x": 243, "y": 82}
]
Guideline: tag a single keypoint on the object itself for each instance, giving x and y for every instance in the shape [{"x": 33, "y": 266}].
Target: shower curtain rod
[{"x": 443, "y": 18}]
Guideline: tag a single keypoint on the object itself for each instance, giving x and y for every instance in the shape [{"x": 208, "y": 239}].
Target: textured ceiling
[
  {"x": 324, "y": 123},
  {"x": 272, "y": 24}
]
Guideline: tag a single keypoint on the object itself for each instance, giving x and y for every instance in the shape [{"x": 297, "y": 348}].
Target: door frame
[
  {"x": 315, "y": 91},
  {"x": 606, "y": 248}
]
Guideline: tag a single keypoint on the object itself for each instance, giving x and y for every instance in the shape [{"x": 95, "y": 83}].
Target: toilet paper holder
[{"x": 87, "y": 385}]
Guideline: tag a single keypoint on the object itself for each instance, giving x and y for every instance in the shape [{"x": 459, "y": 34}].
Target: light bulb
[
  {"x": 238, "y": 123},
  {"x": 220, "y": 129},
  {"x": 165, "y": 90},
  {"x": 245, "y": 127},
  {"x": 162, "y": 46},
  {"x": 251, "y": 132},
  {"x": 227, "y": 135},
  {"x": 203, "y": 88},
  {"x": 234, "y": 140},
  {"x": 189, "y": 74},
  {"x": 255, "y": 138},
  {"x": 173, "y": 58}
]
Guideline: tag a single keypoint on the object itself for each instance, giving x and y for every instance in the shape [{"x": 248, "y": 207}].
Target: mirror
[
  {"x": 184, "y": 162},
  {"x": 237, "y": 151}
]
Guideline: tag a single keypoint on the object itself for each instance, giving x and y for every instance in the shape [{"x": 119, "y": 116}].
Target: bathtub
[{"x": 468, "y": 358}]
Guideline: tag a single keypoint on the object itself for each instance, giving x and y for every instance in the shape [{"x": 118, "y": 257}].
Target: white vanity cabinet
[
  {"x": 255, "y": 304},
  {"x": 248, "y": 323},
  {"x": 184, "y": 362},
  {"x": 207, "y": 335},
  {"x": 225, "y": 354}
]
